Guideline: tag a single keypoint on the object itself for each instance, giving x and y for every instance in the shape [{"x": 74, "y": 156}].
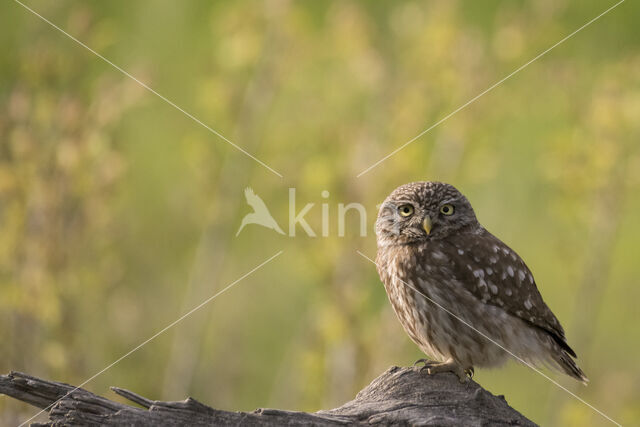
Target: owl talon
[
  {"x": 424, "y": 361},
  {"x": 449, "y": 366},
  {"x": 426, "y": 364},
  {"x": 470, "y": 371}
]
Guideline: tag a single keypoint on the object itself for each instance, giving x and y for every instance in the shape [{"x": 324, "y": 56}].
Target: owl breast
[
  {"x": 439, "y": 315},
  {"x": 421, "y": 323}
]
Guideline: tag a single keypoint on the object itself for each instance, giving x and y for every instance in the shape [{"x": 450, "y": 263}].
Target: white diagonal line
[
  {"x": 490, "y": 88},
  {"x": 499, "y": 345},
  {"x": 175, "y": 322},
  {"x": 165, "y": 99}
]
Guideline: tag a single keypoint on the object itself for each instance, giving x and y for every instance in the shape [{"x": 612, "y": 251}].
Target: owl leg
[{"x": 450, "y": 366}]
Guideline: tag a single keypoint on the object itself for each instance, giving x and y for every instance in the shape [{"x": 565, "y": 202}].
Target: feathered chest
[
  {"x": 417, "y": 298},
  {"x": 414, "y": 269},
  {"x": 419, "y": 281}
]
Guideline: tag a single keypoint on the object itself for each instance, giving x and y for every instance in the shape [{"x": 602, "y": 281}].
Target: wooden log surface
[{"x": 403, "y": 396}]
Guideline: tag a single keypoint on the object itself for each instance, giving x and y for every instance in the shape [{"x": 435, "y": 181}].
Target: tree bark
[{"x": 399, "y": 396}]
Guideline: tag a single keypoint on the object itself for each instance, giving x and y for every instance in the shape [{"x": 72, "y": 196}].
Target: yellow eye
[
  {"x": 447, "y": 209},
  {"x": 405, "y": 210}
]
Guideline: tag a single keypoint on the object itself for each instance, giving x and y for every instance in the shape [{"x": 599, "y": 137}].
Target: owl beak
[{"x": 427, "y": 224}]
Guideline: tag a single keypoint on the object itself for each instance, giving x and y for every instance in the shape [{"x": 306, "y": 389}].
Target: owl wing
[{"x": 495, "y": 274}]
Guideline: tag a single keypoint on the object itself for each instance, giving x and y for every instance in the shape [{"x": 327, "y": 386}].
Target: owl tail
[{"x": 571, "y": 368}]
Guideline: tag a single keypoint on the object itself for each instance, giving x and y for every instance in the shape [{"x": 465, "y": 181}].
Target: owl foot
[
  {"x": 470, "y": 372},
  {"x": 426, "y": 363},
  {"x": 449, "y": 366}
]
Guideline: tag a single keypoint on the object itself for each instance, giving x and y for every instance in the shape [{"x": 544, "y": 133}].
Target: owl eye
[
  {"x": 405, "y": 210},
  {"x": 447, "y": 209}
]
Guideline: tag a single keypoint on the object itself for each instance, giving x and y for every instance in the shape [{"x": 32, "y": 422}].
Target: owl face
[{"x": 422, "y": 211}]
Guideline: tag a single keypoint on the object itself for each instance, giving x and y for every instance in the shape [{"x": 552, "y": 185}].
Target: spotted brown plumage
[{"x": 443, "y": 272}]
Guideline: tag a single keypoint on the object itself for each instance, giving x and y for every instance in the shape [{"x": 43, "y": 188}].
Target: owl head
[{"x": 421, "y": 211}]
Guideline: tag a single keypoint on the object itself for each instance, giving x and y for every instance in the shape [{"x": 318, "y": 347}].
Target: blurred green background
[{"x": 118, "y": 213}]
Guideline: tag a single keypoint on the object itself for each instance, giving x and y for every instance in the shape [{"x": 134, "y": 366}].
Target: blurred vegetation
[{"x": 118, "y": 213}]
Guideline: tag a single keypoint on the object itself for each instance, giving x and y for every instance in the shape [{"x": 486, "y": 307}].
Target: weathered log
[{"x": 399, "y": 396}]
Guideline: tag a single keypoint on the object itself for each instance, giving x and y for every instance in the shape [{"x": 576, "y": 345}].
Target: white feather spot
[
  {"x": 478, "y": 273},
  {"x": 438, "y": 255},
  {"x": 527, "y": 304},
  {"x": 508, "y": 292},
  {"x": 510, "y": 271},
  {"x": 489, "y": 271},
  {"x": 530, "y": 278},
  {"x": 493, "y": 259},
  {"x": 521, "y": 275},
  {"x": 494, "y": 289},
  {"x": 460, "y": 252}
]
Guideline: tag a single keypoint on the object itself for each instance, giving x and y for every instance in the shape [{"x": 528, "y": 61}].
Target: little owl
[{"x": 456, "y": 288}]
